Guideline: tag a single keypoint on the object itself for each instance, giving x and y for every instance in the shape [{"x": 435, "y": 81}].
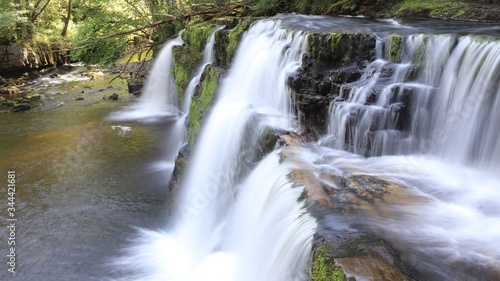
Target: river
[
  {"x": 83, "y": 183},
  {"x": 92, "y": 175}
]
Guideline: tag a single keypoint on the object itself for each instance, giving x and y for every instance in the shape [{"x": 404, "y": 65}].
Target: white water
[
  {"x": 435, "y": 130},
  {"x": 159, "y": 96},
  {"x": 227, "y": 227},
  {"x": 466, "y": 113},
  {"x": 449, "y": 215},
  {"x": 447, "y": 110},
  {"x": 443, "y": 219}
]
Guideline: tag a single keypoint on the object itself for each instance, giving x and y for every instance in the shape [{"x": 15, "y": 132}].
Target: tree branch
[{"x": 213, "y": 12}]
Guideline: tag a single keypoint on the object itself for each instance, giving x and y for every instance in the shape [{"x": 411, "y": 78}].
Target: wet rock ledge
[
  {"x": 16, "y": 57},
  {"x": 333, "y": 60}
]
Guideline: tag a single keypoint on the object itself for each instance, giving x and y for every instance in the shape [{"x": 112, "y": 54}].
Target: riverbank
[{"x": 463, "y": 10}]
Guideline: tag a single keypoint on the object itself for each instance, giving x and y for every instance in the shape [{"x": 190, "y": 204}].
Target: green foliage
[
  {"x": 350, "y": 6},
  {"x": 14, "y": 23},
  {"x": 447, "y": 8},
  {"x": 272, "y": 7},
  {"x": 104, "y": 52},
  {"x": 323, "y": 267},
  {"x": 97, "y": 19},
  {"x": 268, "y": 7},
  {"x": 312, "y": 6}
]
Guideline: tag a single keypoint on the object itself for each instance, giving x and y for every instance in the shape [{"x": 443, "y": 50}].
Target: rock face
[
  {"x": 333, "y": 60},
  {"x": 15, "y": 57}
]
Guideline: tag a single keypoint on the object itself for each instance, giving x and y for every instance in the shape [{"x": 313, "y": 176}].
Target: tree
[{"x": 67, "y": 19}]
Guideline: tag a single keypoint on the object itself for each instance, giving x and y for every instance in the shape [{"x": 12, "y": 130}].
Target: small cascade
[
  {"x": 406, "y": 106},
  {"x": 207, "y": 59},
  {"x": 466, "y": 111},
  {"x": 228, "y": 225},
  {"x": 431, "y": 112},
  {"x": 159, "y": 96}
]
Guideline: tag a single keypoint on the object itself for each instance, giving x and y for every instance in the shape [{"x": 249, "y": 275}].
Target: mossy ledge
[
  {"x": 23, "y": 57},
  {"x": 333, "y": 60},
  {"x": 394, "y": 48},
  {"x": 188, "y": 57},
  {"x": 227, "y": 42},
  {"x": 201, "y": 102}
]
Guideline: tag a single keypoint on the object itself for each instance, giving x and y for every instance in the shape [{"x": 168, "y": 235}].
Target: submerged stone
[{"x": 21, "y": 107}]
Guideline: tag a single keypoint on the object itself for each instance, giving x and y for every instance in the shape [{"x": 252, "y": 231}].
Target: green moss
[
  {"x": 318, "y": 41},
  {"x": 136, "y": 57},
  {"x": 188, "y": 57},
  {"x": 334, "y": 40},
  {"x": 323, "y": 267},
  {"x": 201, "y": 102},
  {"x": 435, "y": 8},
  {"x": 419, "y": 55},
  {"x": 234, "y": 37},
  {"x": 394, "y": 48},
  {"x": 228, "y": 40}
]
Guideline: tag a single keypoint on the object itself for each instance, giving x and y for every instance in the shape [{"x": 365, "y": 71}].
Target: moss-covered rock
[
  {"x": 201, "y": 102},
  {"x": 21, "y": 107},
  {"x": 18, "y": 57},
  {"x": 323, "y": 266},
  {"x": 227, "y": 42},
  {"x": 394, "y": 48},
  {"x": 188, "y": 57},
  {"x": 334, "y": 59}
]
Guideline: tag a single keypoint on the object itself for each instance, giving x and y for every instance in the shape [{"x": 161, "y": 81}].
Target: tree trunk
[{"x": 66, "y": 19}]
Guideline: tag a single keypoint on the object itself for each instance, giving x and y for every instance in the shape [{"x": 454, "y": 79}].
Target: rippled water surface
[{"x": 82, "y": 183}]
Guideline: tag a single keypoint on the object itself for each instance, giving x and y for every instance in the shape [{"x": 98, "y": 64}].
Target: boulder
[
  {"x": 114, "y": 96},
  {"x": 15, "y": 57},
  {"x": 333, "y": 60},
  {"x": 21, "y": 107},
  {"x": 135, "y": 86}
]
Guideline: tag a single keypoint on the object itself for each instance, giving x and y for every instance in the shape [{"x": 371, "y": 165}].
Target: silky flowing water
[{"x": 92, "y": 175}]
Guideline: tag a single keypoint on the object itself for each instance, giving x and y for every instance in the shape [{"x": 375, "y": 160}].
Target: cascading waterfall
[
  {"x": 207, "y": 59},
  {"x": 227, "y": 227},
  {"x": 467, "y": 109},
  {"x": 177, "y": 135},
  {"x": 429, "y": 117},
  {"x": 159, "y": 96},
  {"x": 436, "y": 111},
  {"x": 439, "y": 99}
]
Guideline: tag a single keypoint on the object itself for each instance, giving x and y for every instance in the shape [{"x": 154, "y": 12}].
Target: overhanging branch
[{"x": 213, "y": 12}]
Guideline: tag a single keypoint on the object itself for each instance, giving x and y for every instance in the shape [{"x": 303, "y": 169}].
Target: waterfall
[
  {"x": 467, "y": 109},
  {"x": 431, "y": 118},
  {"x": 228, "y": 225},
  {"x": 207, "y": 59},
  {"x": 439, "y": 99},
  {"x": 159, "y": 95}
]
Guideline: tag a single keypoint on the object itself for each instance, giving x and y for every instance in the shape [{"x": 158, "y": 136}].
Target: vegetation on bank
[{"x": 96, "y": 31}]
